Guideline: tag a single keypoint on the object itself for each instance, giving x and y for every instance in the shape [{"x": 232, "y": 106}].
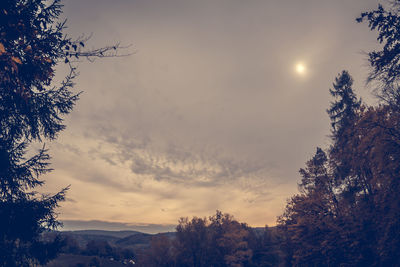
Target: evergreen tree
[
  {"x": 32, "y": 43},
  {"x": 344, "y": 109},
  {"x": 344, "y": 112}
]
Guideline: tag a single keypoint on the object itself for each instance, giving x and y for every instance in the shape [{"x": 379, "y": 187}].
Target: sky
[{"x": 209, "y": 112}]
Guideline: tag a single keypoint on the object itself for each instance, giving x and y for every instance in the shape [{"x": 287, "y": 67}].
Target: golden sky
[{"x": 208, "y": 113}]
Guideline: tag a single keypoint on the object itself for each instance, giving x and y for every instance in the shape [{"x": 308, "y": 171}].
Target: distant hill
[
  {"x": 140, "y": 240},
  {"x": 124, "y": 239},
  {"x": 118, "y": 234},
  {"x": 127, "y": 239},
  {"x": 84, "y": 236},
  {"x": 135, "y": 241}
]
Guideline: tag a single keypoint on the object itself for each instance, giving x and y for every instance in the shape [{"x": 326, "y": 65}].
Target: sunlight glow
[{"x": 300, "y": 68}]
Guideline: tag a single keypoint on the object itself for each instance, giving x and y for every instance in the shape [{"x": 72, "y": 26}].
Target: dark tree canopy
[
  {"x": 344, "y": 109},
  {"x": 385, "y": 63},
  {"x": 347, "y": 211},
  {"x": 32, "y": 43},
  {"x": 218, "y": 241}
]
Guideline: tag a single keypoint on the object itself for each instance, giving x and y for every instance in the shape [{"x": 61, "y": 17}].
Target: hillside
[
  {"x": 118, "y": 234},
  {"x": 109, "y": 248}
]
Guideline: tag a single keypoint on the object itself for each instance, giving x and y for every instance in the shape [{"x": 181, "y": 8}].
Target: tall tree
[
  {"x": 344, "y": 113},
  {"x": 32, "y": 43},
  {"x": 344, "y": 109}
]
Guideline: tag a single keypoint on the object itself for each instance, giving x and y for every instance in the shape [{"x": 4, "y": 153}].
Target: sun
[{"x": 300, "y": 68}]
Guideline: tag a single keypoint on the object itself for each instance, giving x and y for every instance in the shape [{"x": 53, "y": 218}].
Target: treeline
[
  {"x": 101, "y": 248},
  {"x": 217, "y": 241}
]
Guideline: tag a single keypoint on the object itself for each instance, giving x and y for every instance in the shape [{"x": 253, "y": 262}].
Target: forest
[{"x": 346, "y": 213}]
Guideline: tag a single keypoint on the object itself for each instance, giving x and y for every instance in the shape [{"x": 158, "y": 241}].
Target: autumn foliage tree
[
  {"x": 161, "y": 253},
  {"x": 32, "y": 43},
  {"x": 347, "y": 211},
  {"x": 218, "y": 241}
]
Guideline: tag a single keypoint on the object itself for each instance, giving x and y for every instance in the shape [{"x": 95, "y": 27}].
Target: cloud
[
  {"x": 167, "y": 189},
  {"x": 207, "y": 114}
]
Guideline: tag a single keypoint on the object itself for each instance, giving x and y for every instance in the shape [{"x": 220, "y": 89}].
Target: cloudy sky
[{"x": 208, "y": 113}]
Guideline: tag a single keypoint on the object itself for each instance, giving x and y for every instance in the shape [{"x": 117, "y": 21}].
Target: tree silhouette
[
  {"x": 385, "y": 63},
  {"x": 344, "y": 110},
  {"x": 32, "y": 43},
  {"x": 219, "y": 240},
  {"x": 350, "y": 215}
]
